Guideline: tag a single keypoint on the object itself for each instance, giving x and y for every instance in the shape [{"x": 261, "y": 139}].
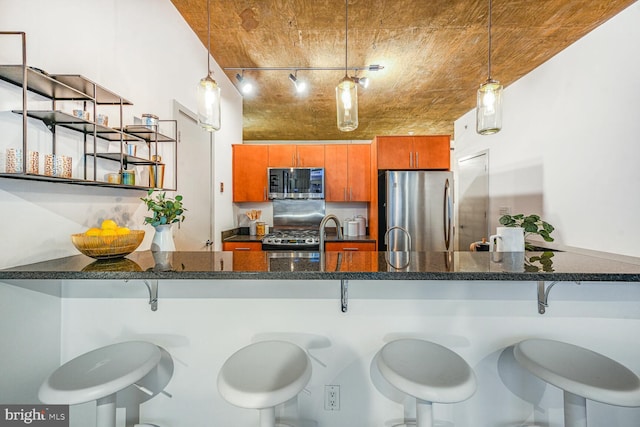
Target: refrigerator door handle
[{"x": 448, "y": 210}]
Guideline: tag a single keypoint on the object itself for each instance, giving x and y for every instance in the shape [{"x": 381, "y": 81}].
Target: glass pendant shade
[
  {"x": 208, "y": 95},
  {"x": 347, "y": 104},
  {"x": 489, "y": 108}
]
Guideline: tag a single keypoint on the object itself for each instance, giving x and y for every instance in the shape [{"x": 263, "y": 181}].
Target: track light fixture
[
  {"x": 245, "y": 86},
  {"x": 362, "y": 81},
  {"x": 300, "y": 85}
]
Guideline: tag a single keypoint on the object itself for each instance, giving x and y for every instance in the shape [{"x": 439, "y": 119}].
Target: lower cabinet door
[
  {"x": 349, "y": 246},
  {"x": 241, "y": 246}
]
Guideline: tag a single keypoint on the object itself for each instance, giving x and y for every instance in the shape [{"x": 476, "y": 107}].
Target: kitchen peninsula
[
  {"x": 212, "y": 267},
  {"x": 341, "y": 306}
]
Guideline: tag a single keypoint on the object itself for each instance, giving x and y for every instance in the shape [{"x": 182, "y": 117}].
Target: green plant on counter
[
  {"x": 532, "y": 224},
  {"x": 165, "y": 210}
]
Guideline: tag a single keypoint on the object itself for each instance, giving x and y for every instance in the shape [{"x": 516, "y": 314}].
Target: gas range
[{"x": 293, "y": 239}]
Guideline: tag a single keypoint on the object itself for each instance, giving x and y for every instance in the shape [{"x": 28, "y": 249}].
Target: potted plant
[
  {"x": 532, "y": 224},
  {"x": 165, "y": 211}
]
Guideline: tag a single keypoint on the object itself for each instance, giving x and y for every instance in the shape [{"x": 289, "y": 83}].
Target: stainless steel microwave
[{"x": 296, "y": 183}]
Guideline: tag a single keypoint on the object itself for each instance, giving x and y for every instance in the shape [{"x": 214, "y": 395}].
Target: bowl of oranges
[{"x": 108, "y": 241}]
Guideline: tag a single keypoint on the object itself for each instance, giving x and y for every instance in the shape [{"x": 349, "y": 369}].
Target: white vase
[{"x": 163, "y": 239}]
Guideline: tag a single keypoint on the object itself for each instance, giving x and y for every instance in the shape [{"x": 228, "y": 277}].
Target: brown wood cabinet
[
  {"x": 241, "y": 246},
  {"x": 347, "y": 172},
  {"x": 288, "y": 155},
  {"x": 414, "y": 152},
  {"x": 250, "y": 164}
]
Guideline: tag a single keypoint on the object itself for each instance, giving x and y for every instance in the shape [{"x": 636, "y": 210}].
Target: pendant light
[
  {"x": 347, "y": 89},
  {"x": 208, "y": 92},
  {"x": 489, "y": 100}
]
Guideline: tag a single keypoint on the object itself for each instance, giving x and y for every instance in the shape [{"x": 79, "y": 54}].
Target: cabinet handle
[
  {"x": 410, "y": 159},
  {"x": 350, "y": 193},
  {"x": 264, "y": 193},
  {"x": 242, "y": 249},
  {"x": 350, "y": 249},
  {"x": 345, "y": 194},
  {"x": 417, "y": 162},
  {"x": 299, "y": 162}
]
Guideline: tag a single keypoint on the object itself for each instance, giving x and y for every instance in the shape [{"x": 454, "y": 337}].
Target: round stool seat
[
  {"x": 264, "y": 374},
  {"x": 580, "y": 371},
  {"x": 99, "y": 373},
  {"x": 426, "y": 371}
]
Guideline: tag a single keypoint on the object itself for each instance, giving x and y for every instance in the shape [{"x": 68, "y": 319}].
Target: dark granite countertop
[{"x": 562, "y": 266}]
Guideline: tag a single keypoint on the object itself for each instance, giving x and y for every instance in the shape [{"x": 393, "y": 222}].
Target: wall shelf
[{"x": 74, "y": 87}]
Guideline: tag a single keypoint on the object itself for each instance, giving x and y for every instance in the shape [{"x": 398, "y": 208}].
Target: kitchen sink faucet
[{"x": 323, "y": 224}]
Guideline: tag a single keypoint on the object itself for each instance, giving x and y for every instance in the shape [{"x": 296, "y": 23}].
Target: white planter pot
[{"x": 163, "y": 239}]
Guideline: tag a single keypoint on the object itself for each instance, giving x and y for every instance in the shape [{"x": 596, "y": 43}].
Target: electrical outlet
[
  {"x": 505, "y": 210},
  {"x": 331, "y": 397}
]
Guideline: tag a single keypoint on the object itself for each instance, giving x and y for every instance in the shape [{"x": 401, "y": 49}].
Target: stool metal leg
[
  {"x": 267, "y": 417},
  {"x": 575, "y": 410},
  {"x": 106, "y": 411},
  {"x": 424, "y": 413}
]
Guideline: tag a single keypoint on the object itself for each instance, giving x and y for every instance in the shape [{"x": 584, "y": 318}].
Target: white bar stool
[
  {"x": 264, "y": 375},
  {"x": 428, "y": 372},
  {"x": 581, "y": 373},
  {"x": 98, "y": 375}
]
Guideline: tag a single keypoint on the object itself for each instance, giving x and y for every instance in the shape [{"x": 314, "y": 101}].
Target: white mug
[{"x": 507, "y": 239}]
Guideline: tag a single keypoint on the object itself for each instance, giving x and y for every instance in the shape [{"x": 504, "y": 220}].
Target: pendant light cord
[
  {"x": 489, "y": 53},
  {"x": 209, "y": 37},
  {"x": 346, "y": 36}
]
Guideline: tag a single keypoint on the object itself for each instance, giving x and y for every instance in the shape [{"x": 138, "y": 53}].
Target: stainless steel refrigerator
[{"x": 417, "y": 203}]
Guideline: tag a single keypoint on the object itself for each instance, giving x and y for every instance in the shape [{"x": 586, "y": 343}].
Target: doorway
[
  {"x": 473, "y": 200},
  {"x": 194, "y": 172}
]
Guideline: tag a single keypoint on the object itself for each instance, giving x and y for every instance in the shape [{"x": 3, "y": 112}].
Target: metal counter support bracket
[
  {"x": 344, "y": 294},
  {"x": 152, "y": 286},
  {"x": 543, "y": 295}
]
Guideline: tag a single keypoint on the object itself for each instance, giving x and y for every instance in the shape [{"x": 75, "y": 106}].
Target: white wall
[
  {"x": 144, "y": 51},
  {"x": 569, "y": 145}
]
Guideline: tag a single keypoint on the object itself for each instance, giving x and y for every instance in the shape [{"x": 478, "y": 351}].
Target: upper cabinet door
[
  {"x": 310, "y": 156},
  {"x": 414, "y": 152},
  {"x": 395, "y": 152},
  {"x": 335, "y": 173},
  {"x": 432, "y": 152},
  {"x": 348, "y": 172},
  {"x": 282, "y": 156},
  {"x": 250, "y": 172},
  {"x": 359, "y": 177}
]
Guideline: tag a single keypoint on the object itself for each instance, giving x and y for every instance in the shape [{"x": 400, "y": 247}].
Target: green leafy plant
[
  {"x": 546, "y": 263},
  {"x": 532, "y": 224},
  {"x": 165, "y": 210}
]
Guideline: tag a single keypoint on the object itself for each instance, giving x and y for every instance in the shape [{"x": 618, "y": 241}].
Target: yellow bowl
[{"x": 105, "y": 247}]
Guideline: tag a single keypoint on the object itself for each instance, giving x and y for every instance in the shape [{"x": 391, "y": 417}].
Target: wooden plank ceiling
[{"x": 434, "y": 54}]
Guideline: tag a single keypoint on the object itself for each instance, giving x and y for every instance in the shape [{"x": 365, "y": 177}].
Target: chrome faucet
[
  {"x": 323, "y": 224},
  {"x": 397, "y": 227}
]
